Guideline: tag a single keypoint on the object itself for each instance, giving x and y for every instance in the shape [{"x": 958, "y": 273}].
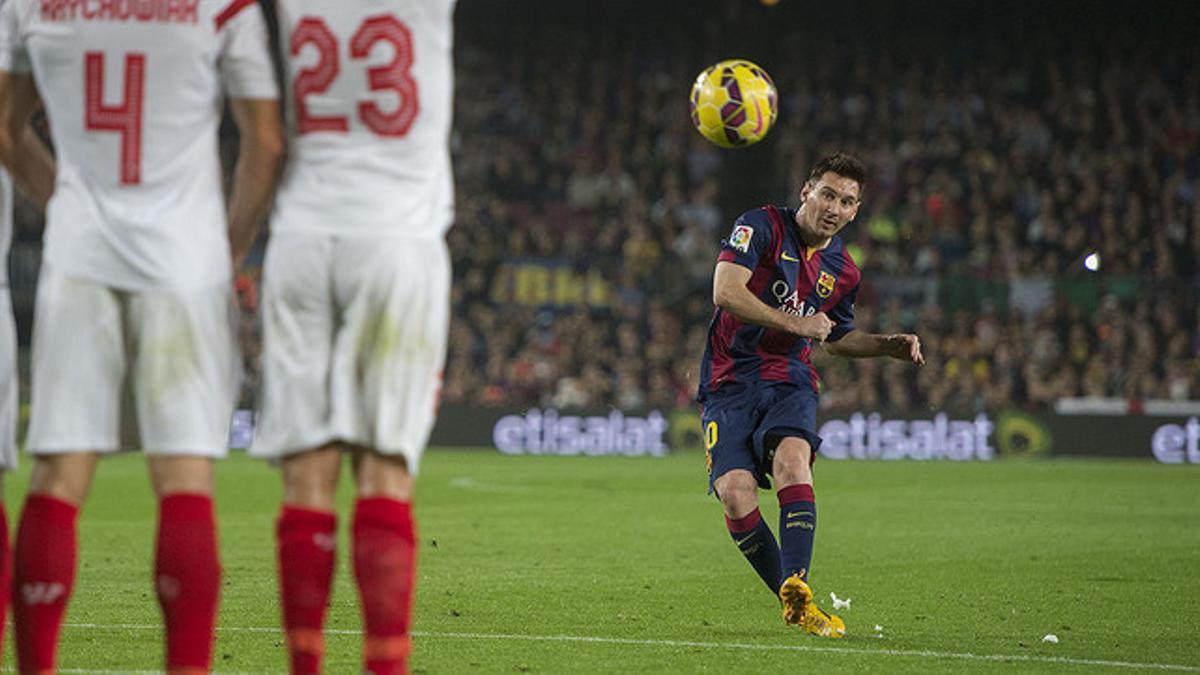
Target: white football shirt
[
  {"x": 369, "y": 97},
  {"x": 6, "y": 226},
  {"x": 8, "y": 335},
  {"x": 133, "y": 93}
]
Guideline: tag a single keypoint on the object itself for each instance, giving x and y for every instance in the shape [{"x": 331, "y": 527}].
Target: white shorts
[
  {"x": 126, "y": 370},
  {"x": 9, "y": 400},
  {"x": 354, "y": 341}
]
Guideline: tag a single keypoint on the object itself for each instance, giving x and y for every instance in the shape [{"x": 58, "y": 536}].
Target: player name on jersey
[{"x": 160, "y": 11}]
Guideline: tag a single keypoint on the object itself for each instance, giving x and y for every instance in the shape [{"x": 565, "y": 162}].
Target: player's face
[{"x": 829, "y": 203}]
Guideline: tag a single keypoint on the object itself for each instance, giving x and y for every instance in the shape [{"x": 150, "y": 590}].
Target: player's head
[{"x": 829, "y": 199}]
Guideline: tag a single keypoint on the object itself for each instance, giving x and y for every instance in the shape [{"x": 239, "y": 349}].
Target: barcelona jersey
[{"x": 789, "y": 277}]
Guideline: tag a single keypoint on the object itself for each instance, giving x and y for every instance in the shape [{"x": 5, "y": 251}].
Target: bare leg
[
  {"x": 66, "y": 477},
  {"x": 310, "y": 478}
]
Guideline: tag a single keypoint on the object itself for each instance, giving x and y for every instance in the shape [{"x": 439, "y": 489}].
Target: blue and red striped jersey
[{"x": 787, "y": 276}]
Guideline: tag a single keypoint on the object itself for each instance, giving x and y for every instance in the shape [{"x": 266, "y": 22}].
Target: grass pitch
[{"x": 540, "y": 564}]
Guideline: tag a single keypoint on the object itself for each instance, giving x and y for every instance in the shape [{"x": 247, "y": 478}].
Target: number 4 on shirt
[
  {"x": 125, "y": 117},
  {"x": 394, "y": 76}
]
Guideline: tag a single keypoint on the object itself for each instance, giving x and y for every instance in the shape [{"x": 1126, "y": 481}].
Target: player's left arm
[
  {"x": 249, "y": 82},
  {"x": 260, "y": 153},
  {"x": 22, "y": 152},
  {"x": 859, "y": 344},
  {"x": 846, "y": 340}
]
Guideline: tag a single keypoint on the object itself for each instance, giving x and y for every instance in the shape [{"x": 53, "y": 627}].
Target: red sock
[
  {"x": 187, "y": 577},
  {"x": 44, "y": 574},
  {"x": 306, "y": 555},
  {"x": 385, "y": 550}
]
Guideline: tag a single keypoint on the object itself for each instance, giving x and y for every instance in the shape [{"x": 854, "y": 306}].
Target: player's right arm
[
  {"x": 25, "y": 156},
  {"x": 730, "y": 293},
  {"x": 253, "y": 94},
  {"x": 21, "y": 151},
  {"x": 260, "y": 153}
]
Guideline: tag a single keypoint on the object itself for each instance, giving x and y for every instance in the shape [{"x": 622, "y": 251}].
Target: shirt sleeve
[
  {"x": 13, "y": 57},
  {"x": 747, "y": 242},
  {"x": 842, "y": 315},
  {"x": 246, "y": 67}
]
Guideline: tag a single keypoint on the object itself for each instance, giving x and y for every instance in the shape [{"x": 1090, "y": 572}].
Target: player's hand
[
  {"x": 245, "y": 292},
  {"x": 905, "y": 347},
  {"x": 816, "y": 326}
]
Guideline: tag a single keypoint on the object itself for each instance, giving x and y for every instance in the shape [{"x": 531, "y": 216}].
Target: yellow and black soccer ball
[{"x": 734, "y": 103}]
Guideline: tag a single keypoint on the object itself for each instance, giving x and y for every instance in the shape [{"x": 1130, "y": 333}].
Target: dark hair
[{"x": 843, "y": 164}]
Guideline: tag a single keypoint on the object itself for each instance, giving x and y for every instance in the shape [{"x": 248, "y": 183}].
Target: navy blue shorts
[{"x": 743, "y": 425}]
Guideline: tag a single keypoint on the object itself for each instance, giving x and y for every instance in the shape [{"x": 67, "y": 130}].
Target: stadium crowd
[
  {"x": 987, "y": 172},
  {"x": 589, "y": 212}
]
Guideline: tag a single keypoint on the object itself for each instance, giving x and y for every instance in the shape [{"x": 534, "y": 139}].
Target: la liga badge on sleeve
[{"x": 740, "y": 239}]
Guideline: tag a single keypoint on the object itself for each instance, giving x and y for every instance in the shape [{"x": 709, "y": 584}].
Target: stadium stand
[{"x": 590, "y": 212}]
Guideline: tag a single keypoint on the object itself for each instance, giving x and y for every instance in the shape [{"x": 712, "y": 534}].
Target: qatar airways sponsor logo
[
  {"x": 545, "y": 432},
  {"x": 1177, "y": 443},
  {"x": 873, "y": 437},
  {"x": 789, "y": 300}
]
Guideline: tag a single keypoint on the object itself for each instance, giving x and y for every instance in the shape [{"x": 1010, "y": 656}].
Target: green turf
[{"x": 949, "y": 558}]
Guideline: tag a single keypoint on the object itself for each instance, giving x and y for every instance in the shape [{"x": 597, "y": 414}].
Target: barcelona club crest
[{"x": 825, "y": 283}]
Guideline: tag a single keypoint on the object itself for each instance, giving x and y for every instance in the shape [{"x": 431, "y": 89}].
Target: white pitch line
[
  {"x": 912, "y": 653},
  {"x": 468, "y": 483}
]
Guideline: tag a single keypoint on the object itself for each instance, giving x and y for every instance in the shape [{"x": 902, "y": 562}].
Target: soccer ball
[{"x": 734, "y": 103}]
